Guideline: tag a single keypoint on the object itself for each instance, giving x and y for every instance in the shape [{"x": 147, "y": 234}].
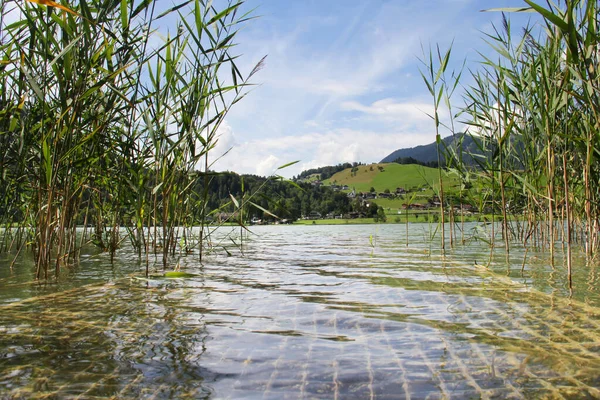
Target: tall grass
[
  {"x": 433, "y": 78},
  {"x": 534, "y": 106},
  {"x": 442, "y": 87},
  {"x": 104, "y": 123}
]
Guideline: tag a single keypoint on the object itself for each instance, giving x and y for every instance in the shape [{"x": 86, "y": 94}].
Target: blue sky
[{"x": 341, "y": 81}]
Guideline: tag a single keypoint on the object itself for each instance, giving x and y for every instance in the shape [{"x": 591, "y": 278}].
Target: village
[{"x": 400, "y": 195}]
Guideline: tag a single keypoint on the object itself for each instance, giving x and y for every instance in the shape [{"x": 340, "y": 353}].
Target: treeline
[
  {"x": 326, "y": 172},
  {"x": 411, "y": 160},
  {"x": 272, "y": 199}
]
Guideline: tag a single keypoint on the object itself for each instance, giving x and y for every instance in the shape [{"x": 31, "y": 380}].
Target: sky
[{"x": 341, "y": 81}]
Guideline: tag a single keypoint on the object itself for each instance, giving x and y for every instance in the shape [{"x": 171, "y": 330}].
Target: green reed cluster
[
  {"x": 534, "y": 108},
  {"x": 107, "y": 119}
]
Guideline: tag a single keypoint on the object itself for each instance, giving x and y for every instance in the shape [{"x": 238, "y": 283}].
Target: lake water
[{"x": 315, "y": 312}]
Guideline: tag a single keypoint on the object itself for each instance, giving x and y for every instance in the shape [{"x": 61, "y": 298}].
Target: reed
[
  {"x": 100, "y": 125},
  {"x": 534, "y": 107},
  {"x": 432, "y": 76},
  {"x": 441, "y": 86}
]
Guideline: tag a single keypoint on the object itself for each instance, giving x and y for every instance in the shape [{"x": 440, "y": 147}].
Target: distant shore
[{"x": 399, "y": 219}]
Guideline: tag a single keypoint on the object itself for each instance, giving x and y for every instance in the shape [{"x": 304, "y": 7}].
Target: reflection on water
[{"x": 307, "y": 312}]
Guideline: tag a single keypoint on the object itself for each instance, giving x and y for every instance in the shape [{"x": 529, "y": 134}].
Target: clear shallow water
[{"x": 306, "y": 312}]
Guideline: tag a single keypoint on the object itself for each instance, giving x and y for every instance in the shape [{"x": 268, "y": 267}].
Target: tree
[
  {"x": 370, "y": 209},
  {"x": 380, "y": 216}
]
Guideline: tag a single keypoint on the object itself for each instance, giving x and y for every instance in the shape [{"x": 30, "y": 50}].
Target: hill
[
  {"x": 389, "y": 176},
  {"x": 427, "y": 154},
  {"x": 322, "y": 173}
]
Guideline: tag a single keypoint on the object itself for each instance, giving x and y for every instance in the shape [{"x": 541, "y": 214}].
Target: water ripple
[{"x": 306, "y": 312}]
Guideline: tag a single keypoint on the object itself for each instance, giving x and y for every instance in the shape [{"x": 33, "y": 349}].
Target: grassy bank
[{"x": 431, "y": 217}]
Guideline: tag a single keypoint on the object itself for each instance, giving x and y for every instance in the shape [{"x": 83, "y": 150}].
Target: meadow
[{"x": 390, "y": 176}]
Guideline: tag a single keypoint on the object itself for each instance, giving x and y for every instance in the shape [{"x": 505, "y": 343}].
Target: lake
[{"x": 315, "y": 312}]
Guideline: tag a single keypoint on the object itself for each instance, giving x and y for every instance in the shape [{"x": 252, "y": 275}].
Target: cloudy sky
[{"x": 341, "y": 81}]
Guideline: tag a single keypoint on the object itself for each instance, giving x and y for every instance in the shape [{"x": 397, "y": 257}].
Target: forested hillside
[
  {"x": 327, "y": 171},
  {"x": 284, "y": 199}
]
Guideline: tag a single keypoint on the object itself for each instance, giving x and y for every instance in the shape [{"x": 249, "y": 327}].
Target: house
[
  {"x": 469, "y": 207},
  {"x": 368, "y": 195},
  {"x": 225, "y": 217},
  {"x": 354, "y": 215},
  {"x": 414, "y": 206},
  {"x": 314, "y": 215}
]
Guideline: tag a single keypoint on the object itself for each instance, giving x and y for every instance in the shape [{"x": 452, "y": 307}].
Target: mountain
[{"x": 427, "y": 154}]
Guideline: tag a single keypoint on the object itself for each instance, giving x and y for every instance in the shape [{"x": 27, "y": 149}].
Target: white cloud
[
  {"x": 313, "y": 67},
  {"x": 311, "y": 123},
  {"x": 226, "y": 141},
  {"x": 339, "y": 88},
  {"x": 316, "y": 149},
  {"x": 391, "y": 109},
  {"x": 267, "y": 166}
]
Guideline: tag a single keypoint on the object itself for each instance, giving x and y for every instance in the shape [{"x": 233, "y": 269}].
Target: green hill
[{"x": 411, "y": 177}]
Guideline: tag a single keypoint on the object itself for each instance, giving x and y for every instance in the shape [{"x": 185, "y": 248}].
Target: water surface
[{"x": 306, "y": 312}]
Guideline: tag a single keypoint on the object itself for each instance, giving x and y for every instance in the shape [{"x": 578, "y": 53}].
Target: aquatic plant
[
  {"x": 435, "y": 84},
  {"x": 442, "y": 87},
  {"x": 534, "y": 106},
  {"x": 104, "y": 123}
]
